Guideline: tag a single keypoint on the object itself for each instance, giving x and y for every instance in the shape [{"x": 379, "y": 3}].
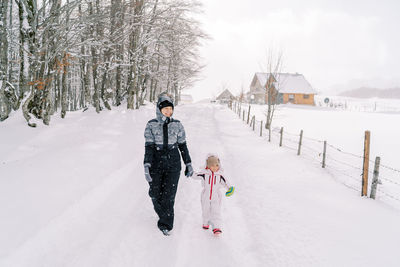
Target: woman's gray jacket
[{"x": 164, "y": 138}]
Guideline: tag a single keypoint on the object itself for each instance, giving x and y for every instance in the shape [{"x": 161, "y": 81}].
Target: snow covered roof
[
  {"x": 290, "y": 83},
  {"x": 225, "y": 95}
]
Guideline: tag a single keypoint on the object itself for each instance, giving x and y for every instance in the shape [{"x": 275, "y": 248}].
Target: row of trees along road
[{"x": 67, "y": 55}]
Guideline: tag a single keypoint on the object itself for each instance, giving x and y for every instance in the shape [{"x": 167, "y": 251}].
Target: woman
[{"x": 165, "y": 137}]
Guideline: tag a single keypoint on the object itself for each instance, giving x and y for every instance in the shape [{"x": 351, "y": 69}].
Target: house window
[
  {"x": 306, "y": 96},
  {"x": 291, "y": 97}
]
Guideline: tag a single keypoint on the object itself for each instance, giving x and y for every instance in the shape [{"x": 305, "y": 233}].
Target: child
[{"x": 212, "y": 180}]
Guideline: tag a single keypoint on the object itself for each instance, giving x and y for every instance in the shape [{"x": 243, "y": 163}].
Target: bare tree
[
  {"x": 274, "y": 68},
  {"x": 148, "y": 46},
  {"x": 241, "y": 96}
]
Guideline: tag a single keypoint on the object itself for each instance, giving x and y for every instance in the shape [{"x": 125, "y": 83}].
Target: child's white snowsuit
[{"x": 211, "y": 196}]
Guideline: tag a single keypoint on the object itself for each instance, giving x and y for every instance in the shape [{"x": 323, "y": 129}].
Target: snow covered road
[{"x": 74, "y": 194}]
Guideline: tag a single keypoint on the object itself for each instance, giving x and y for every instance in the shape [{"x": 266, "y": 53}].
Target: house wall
[
  {"x": 274, "y": 97},
  {"x": 299, "y": 99},
  {"x": 258, "y": 99},
  {"x": 255, "y": 86}
]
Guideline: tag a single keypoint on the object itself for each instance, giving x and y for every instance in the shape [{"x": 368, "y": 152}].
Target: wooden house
[
  {"x": 225, "y": 97},
  {"x": 285, "y": 88}
]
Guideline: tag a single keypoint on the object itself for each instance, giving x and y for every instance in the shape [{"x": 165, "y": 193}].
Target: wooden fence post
[
  {"x": 261, "y": 128},
  {"x": 324, "y": 155},
  {"x": 364, "y": 183},
  {"x": 300, "y": 141},
  {"x": 280, "y": 142},
  {"x": 375, "y": 180},
  {"x": 254, "y": 122},
  {"x": 248, "y": 115}
]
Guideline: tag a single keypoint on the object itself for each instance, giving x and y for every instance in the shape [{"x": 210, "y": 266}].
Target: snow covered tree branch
[{"x": 59, "y": 56}]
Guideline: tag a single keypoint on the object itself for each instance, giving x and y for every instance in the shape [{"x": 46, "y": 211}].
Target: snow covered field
[
  {"x": 344, "y": 132},
  {"x": 74, "y": 194},
  {"x": 341, "y": 128}
]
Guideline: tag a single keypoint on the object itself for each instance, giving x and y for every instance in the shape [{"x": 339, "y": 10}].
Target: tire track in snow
[
  {"x": 238, "y": 222},
  {"x": 227, "y": 250}
]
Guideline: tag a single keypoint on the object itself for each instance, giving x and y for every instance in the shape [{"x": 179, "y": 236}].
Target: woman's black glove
[
  {"x": 189, "y": 170},
  {"x": 147, "y": 172}
]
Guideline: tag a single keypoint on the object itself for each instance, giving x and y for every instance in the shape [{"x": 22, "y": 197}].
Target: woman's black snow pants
[{"x": 162, "y": 192}]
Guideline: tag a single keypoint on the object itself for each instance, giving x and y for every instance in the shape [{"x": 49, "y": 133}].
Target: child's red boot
[{"x": 217, "y": 231}]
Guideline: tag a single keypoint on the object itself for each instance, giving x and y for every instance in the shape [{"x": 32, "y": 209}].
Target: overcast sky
[{"x": 336, "y": 44}]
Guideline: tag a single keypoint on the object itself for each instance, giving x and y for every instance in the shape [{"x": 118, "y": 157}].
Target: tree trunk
[
  {"x": 29, "y": 63},
  {"x": 94, "y": 65},
  {"x": 103, "y": 96},
  {"x": 3, "y": 40},
  {"x": 269, "y": 111},
  {"x": 117, "y": 17},
  {"x": 23, "y": 52},
  {"x": 5, "y": 106},
  {"x": 137, "y": 6},
  {"x": 64, "y": 86},
  {"x": 25, "y": 110},
  {"x": 84, "y": 72}
]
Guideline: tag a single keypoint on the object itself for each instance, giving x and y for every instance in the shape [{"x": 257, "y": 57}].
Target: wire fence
[{"x": 345, "y": 167}]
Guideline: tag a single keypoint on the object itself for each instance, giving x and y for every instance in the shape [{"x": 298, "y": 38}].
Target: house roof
[
  {"x": 290, "y": 83},
  {"x": 225, "y": 95}
]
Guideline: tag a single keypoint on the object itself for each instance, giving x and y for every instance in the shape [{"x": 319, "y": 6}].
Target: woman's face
[{"x": 167, "y": 111}]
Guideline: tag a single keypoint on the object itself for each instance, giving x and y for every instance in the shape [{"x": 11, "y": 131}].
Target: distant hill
[{"x": 367, "y": 92}]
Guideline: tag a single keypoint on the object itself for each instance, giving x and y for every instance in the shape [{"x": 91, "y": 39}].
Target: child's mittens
[{"x": 230, "y": 191}]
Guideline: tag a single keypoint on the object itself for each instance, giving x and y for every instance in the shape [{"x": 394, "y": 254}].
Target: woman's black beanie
[{"x": 165, "y": 103}]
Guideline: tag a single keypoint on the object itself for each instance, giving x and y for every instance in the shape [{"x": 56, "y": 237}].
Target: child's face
[{"x": 214, "y": 167}]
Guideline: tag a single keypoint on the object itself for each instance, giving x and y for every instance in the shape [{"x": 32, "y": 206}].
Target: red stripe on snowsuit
[
  {"x": 212, "y": 181},
  {"x": 208, "y": 176}
]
